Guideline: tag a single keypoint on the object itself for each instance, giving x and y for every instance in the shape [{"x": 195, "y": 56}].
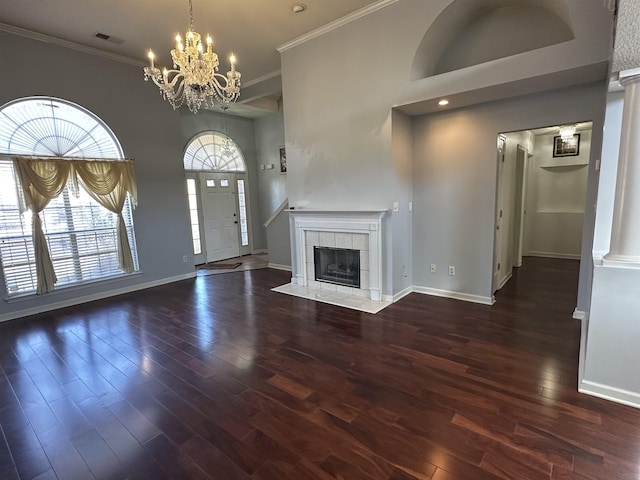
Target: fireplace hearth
[{"x": 337, "y": 265}]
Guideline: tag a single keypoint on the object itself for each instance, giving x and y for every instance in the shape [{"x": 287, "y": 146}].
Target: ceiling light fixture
[
  {"x": 298, "y": 8},
  {"x": 443, "y": 102},
  {"x": 567, "y": 133},
  {"x": 194, "y": 78}
]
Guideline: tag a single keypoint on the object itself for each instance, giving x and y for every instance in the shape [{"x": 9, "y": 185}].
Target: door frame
[
  {"x": 243, "y": 250},
  {"x": 497, "y": 234}
]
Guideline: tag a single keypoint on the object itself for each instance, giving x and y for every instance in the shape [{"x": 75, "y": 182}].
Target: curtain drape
[
  {"x": 108, "y": 184},
  {"x": 106, "y": 181},
  {"x": 41, "y": 181}
]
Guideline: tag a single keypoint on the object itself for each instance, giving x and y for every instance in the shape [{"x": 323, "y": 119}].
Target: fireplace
[
  {"x": 337, "y": 265},
  {"x": 340, "y": 230}
]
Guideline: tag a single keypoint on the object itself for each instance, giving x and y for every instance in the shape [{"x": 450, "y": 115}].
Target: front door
[{"x": 218, "y": 193}]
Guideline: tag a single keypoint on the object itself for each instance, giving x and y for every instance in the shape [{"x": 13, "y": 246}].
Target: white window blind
[{"x": 80, "y": 233}]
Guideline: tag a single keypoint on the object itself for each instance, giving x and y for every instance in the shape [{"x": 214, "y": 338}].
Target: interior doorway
[
  {"x": 218, "y": 199},
  {"x": 540, "y": 197}
]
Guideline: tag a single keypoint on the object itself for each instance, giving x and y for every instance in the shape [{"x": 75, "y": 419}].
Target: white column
[{"x": 625, "y": 233}]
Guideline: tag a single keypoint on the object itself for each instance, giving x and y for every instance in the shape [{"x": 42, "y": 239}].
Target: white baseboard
[
  {"x": 567, "y": 256},
  {"x": 259, "y": 251},
  {"x": 276, "y": 266},
  {"x": 387, "y": 298},
  {"x": 608, "y": 392},
  {"x": 579, "y": 314},
  {"x": 467, "y": 297},
  {"x": 401, "y": 294},
  {"x": 95, "y": 296}
]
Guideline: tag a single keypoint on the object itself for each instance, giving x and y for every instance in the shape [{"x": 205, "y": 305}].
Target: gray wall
[
  {"x": 279, "y": 241},
  {"x": 150, "y": 132},
  {"x": 273, "y": 184},
  {"x": 339, "y": 90},
  {"x": 455, "y": 181}
]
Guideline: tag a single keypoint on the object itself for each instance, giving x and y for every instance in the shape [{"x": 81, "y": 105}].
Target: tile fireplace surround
[{"x": 357, "y": 230}]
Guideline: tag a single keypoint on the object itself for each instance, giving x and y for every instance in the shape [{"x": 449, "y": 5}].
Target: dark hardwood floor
[{"x": 220, "y": 378}]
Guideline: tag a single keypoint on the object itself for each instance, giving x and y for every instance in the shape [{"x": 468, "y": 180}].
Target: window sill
[{"x": 71, "y": 287}]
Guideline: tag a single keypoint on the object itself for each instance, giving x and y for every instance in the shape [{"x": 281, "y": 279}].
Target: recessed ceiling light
[
  {"x": 443, "y": 102},
  {"x": 298, "y": 8}
]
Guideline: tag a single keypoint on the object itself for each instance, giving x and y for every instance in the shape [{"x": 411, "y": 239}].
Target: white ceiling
[{"x": 252, "y": 29}]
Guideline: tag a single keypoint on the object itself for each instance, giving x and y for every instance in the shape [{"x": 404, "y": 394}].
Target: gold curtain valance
[{"x": 107, "y": 181}]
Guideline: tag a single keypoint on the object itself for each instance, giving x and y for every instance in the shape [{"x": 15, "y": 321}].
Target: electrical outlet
[
  {"x": 452, "y": 270},
  {"x": 433, "y": 268},
  {"x": 185, "y": 258},
  {"x": 396, "y": 207}
]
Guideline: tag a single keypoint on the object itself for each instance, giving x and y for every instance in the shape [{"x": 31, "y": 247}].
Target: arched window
[
  {"x": 213, "y": 152},
  {"x": 80, "y": 233}
]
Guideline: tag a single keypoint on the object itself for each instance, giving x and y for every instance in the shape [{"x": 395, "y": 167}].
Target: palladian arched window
[
  {"x": 66, "y": 195},
  {"x": 213, "y": 152}
]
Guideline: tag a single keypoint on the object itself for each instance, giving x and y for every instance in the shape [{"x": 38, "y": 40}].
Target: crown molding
[
  {"x": 71, "y": 45},
  {"x": 335, "y": 24},
  {"x": 264, "y": 77}
]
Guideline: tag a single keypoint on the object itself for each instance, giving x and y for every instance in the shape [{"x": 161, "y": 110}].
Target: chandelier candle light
[{"x": 194, "y": 78}]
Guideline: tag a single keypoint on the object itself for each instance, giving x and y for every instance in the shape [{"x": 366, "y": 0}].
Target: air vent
[{"x": 108, "y": 38}]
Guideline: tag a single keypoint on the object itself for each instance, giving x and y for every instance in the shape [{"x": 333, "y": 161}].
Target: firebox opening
[{"x": 337, "y": 265}]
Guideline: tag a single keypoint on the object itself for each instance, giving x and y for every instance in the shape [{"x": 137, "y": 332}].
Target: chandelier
[
  {"x": 194, "y": 79},
  {"x": 567, "y": 134}
]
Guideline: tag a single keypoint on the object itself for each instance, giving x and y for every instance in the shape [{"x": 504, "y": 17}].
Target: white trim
[
  {"x": 277, "y": 266},
  {"x": 335, "y": 24},
  {"x": 266, "y": 76},
  {"x": 567, "y": 256},
  {"x": 71, "y": 45},
  {"x": 401, "y": 294},
  {"x": 582, "y": 356},
  {"x": 259, "y": 251},
  {"x": 95, "y": 296},
  {"x": 273, "y": 216},
  {"x": 608, "y": 392},
  {"x": 467, "y": 297},
  {"x": 579, "y": 314},
  {"x": 505, "y": 280}
]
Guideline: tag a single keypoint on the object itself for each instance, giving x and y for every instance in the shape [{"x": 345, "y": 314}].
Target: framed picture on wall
[
  {"x": 283, "y": 160},
  {"x": 566, "y": 148}
]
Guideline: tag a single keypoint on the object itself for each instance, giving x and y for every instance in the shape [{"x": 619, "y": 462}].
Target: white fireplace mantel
[{"x": 367, "y": 222}]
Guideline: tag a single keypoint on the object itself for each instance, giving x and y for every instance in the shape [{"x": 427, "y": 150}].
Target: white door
[{"x": 220, "y": 224}]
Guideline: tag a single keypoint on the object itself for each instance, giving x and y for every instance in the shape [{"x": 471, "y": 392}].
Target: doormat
[{"x": 221, "y": 266}]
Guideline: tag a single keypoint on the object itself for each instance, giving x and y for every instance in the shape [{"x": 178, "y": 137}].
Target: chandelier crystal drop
[
  {"x": 194, "y": 79},
  {"x": 228, "y": 147}
]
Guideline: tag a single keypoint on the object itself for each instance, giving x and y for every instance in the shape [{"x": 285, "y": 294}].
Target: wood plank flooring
[{"x": 220, "y": 378}]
